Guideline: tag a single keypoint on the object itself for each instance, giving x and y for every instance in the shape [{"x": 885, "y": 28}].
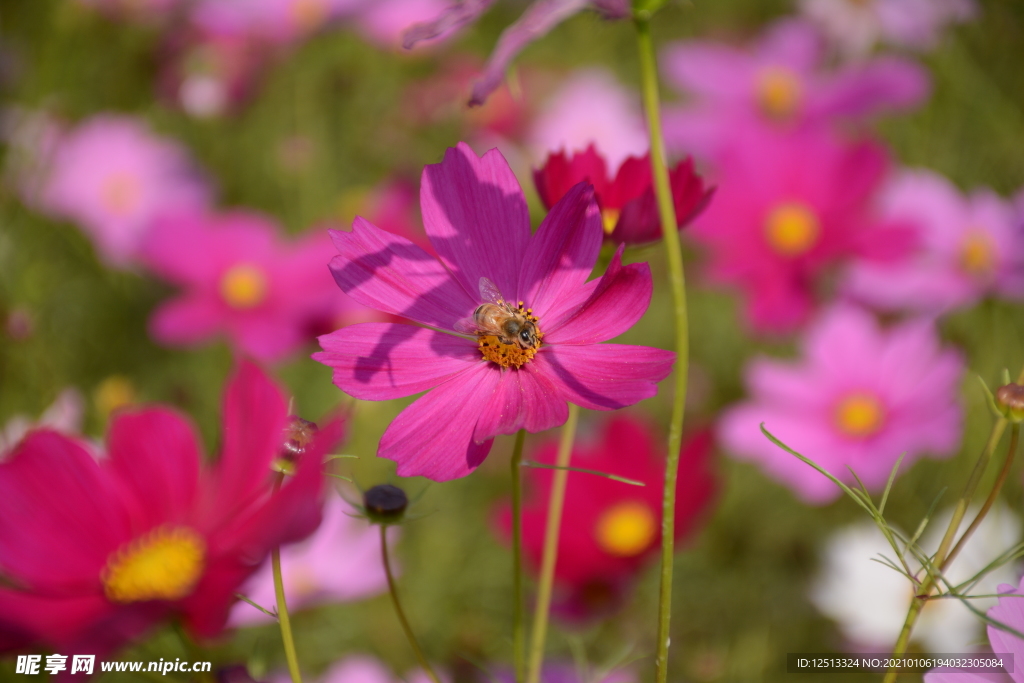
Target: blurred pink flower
[
  {"x": 384, "y": 21},
  {"x": 563, "y": 672},
  {"x": 537, "y": 20},
  {"x": 363, "y": 669},
  {"x": 338, "y": 563},
  {"x": 789, "y": 208},
  {"x": 969, "y": 247},
  {"x": 274, "y": 21},
  {"x": 855, "y": 26},
  {"x": 113, "y": 177},
  {"x": 781, "y": 81},
  {"x": 591, "y": 107},
  {"x": 242, "y": 279},
  {"x": 1010, "y": 611},
  {"x": 96, "y": 552},
  {"x": 858, "y": 396},
  {"x": 480, "y": 386}
]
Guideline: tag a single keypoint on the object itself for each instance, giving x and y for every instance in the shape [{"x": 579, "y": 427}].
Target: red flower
[
  {"x": 98, "y": 551},
  {"x": 611, "y": 530},
  {"x": 629, "y": 209}
]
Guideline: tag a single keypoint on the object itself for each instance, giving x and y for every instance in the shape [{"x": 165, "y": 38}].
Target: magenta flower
[
  {"x": 538, "y": 19},
  {"x": 969, "y": 247},
  {"x": 274, "y": 21},
  {"x": 789, "y": 209},
  {"x": 1010, "y": 611},
  {"x": 96, "y": 552},
  {"x": 859, "y": 396},
  {"x": 384, "y": 21},
  {"x": 489, "y": 383},
  {"x": 241, "y": 279},
  {"x": 781, "y": 81},
  {"x": 112, "y": 177},
  {"x": 338, "y": 563}
]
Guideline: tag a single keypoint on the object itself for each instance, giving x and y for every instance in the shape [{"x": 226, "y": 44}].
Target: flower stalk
[
  {"x": 518, "y": 615},
  {"x": 282, "y": 607},
  {"x": 550, "y": 556},
  {"x": 677, "y": 281}
]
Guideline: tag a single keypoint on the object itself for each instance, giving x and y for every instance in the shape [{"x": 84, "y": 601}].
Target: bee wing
[
  {"x": 489, "y": 292},
  {"x": 467, "y": 326}
]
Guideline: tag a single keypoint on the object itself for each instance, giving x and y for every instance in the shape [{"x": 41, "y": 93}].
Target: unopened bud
[
  {"x": 1010, "y": 401},
  {"x": 385, "y": 504}
]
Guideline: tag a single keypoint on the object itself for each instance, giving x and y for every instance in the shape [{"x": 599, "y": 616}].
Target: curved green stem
[
  {"x": 282, "y": 607},
  {"x": 518, "y": 616},
  {"x": 550, "y": 557},
  {"x": 677, "y": 280},
  {"x": 393, "y": 590}
]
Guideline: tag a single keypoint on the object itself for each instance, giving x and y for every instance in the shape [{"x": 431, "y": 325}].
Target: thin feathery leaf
[
  {"x": 888, "y": 484},
  {"x": 613, "y": 477}
]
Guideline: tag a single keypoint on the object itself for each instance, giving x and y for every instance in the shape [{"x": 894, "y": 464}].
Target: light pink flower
[
  {"x": 384, "y": 21},
  {"x": 969, "y": 247},
  {"x": 364, "y": 669},
  {"x": 781, "y": 80},
  {"x": 859, "y": 396},
  {"x": 855, "y": 26},
  {"x": 242, "y": 279},
  {"x": 113, "y": 177},
  {"x": 275, "y": 21},
  {"x": 790, "y": 208},
  {"x": 476, "y": 218},
  {"x": 591, "y": 107}
]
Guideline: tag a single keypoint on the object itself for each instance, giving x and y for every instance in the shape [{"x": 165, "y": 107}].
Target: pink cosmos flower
[
  {"x": 969, "y": 247},
  {"x": 538, "y": 19},
  {"x": 113, "y": 177},
  {"x": 95, "y": 553},
  {"x": 274, "y": 21},
  {"x": 610, "y": 530},
  {"x": 591, "y": 108},
  {"x": 363, "y": 669},
  {"x": 859, "y": 397},
  {"x": 338, "y": 563},
  {"x": 780, "y": 81},
  {"x": 384, "y": 21},
  {"x": 482, "y": 385},
  {"x": 241, "y": 279},
  {"x": 790, "y": 208},
  {"x": 1009, "y": 611},
  {"x": 855, "y": 26}
]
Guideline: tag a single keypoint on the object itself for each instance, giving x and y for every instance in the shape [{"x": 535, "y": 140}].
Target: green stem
[
  {"x": 670, "y": 235},
  {"x": 518, "y": 616},
  {"x": 282, "y": 607},
  {"x": 550, "y": 557},
  {"x": 393, "y": 590}
]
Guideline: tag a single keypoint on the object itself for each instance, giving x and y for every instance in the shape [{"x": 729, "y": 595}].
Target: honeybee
[{"x": 499, "y": 318}]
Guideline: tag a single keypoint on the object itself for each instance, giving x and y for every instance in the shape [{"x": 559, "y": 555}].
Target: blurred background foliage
[{"x": 741, "y": 583}]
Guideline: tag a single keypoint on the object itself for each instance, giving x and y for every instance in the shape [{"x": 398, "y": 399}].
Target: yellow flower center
[
  {"x": 120, "y": 193},
  {"x": 495, "y": 349},
  {"x": 977, "y": 253},
  {"x": 626, "y": 529},
  {"x": 610, "y": 217},
  {"x": 792, "y": 228},
  {"x": 309, "y": 14},
  {"x": 243, "y": 286},
  {"x": 164, "y": 564},
  {"x": 116, "y": 391},
  {"x": 859, "y": 415},
  {"x": 778, "y": 92}
]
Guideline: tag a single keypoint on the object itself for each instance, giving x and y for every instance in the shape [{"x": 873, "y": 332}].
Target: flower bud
[
  {"x": 1010, "y": 401},
  {"x": 385, "y": 504}
]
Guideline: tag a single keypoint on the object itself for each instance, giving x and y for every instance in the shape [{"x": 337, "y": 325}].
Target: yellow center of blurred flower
[
  {"x": 626, "y": 529},
  {"x": 792, "y": 228},
  {"x": 859, "y": 415},
  {"x": 778, "y": 92},
  {"x": 243, "y": 286},
  {"x": 116, "y": 391},
  {"x": 120, "y": 193},
  {"x": 309, "y": 14},
  {"x": 610, "y": 217},
  {"x": 164, "y": 564},
  {"x": 977, "y": 253}
]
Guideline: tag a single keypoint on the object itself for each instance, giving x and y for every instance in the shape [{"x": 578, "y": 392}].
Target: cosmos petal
[{"x": 605, "y": 376}]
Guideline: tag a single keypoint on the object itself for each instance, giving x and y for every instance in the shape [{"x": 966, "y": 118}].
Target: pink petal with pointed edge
[
  {"x": 882, "y": 83},
  {"x": 605, "y": 376},
  {"x": 380, "y": 361},
  {"x": 59, "y": 620},
  {"x": 56, "y": 500},
  {"x": 709, "y": 68},
  {"x": 562, "y": 253},
  {"x": 154, "y": 455},
  {"x": 523, "y": 399},
  {"x": 612, "y": 305},
  {"x": 433, "y": 437},
  {"x": 476, "y": 217},
  {"x": 254, "y": 421},
  {"x": 186, "y": 320},
  {"x": 391, "y": 274}
]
